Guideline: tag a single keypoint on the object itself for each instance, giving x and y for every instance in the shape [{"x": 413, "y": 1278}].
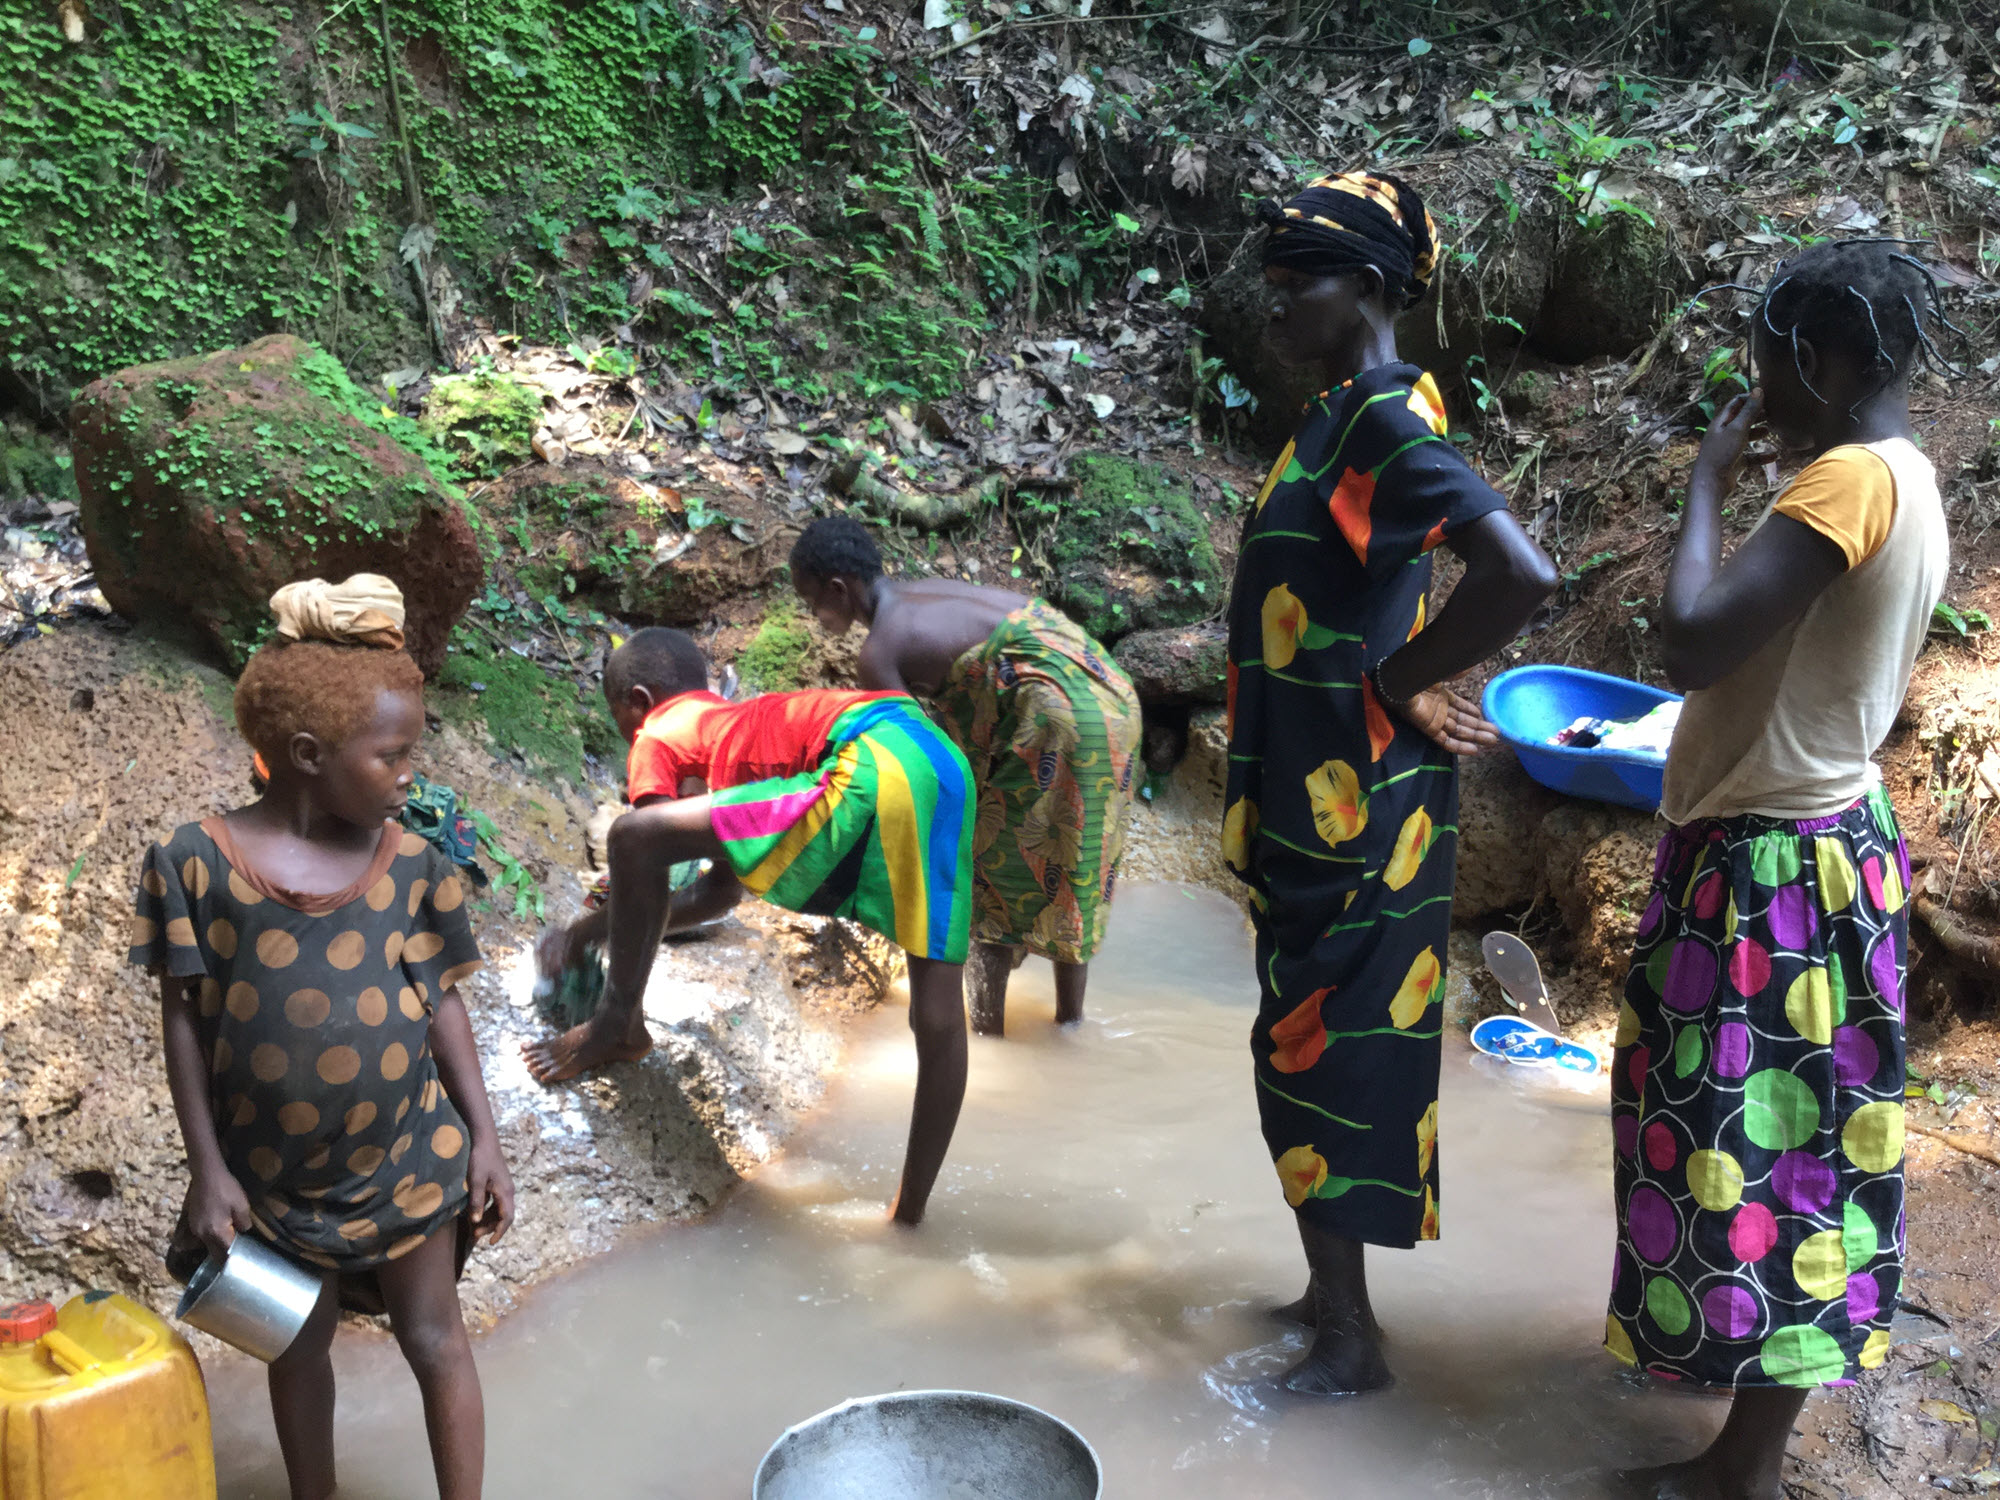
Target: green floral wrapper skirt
[{"x": 1050, "y": 726}]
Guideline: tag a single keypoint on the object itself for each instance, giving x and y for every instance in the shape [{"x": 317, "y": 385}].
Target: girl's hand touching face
[{"x": 1722, "y": 448}]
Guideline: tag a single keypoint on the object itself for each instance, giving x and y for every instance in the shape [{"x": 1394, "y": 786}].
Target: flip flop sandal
[
  {"x": 1512, "y": 962},
  {"x": 1517, "y": 1041}
]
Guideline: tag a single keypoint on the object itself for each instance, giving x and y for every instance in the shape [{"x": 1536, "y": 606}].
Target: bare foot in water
[
  {"x": 582, "y": 1049},
  {"x": 1340, "y": 1364},
  {"x": 1682, "y": 1481},
  {"x": 1745, "y": 1462},
  {"x": 1304, "y": 1313}
]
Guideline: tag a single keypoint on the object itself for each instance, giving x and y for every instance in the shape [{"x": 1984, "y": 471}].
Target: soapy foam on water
[{"x": 1103, "y": 1242}]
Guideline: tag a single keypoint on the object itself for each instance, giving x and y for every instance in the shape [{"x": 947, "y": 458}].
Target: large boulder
[
  {"x": 1132, "y": 551},
  {"x": 1499, "y": 810},
  {"x": 1189, "y": 664},
  {"x": 210, "y": 482}
]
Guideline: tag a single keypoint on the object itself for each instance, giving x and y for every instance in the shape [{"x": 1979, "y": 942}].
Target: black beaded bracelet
[{"x": 1375, "y": 681}]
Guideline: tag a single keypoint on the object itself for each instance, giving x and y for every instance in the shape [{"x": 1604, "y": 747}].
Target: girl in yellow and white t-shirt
[{"x": 1757, "y": 1094}]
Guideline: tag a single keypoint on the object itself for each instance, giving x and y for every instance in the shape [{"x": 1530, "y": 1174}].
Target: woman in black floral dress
[{"x": 1343, "y": 786}]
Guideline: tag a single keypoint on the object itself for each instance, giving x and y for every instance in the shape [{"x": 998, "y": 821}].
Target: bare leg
[
  {"x": 644, "y": 845},
  {"x": 986, "y": 987},
  {"x": 1346, "y": 1354},
  {"x": 301, "y": 1381},
  {"x": 1070, "y": 980},
  {"x": 1745, "y": 1462},
  {"x": 421, "y": 1291},
  {"x": 937, "y": 1016}
]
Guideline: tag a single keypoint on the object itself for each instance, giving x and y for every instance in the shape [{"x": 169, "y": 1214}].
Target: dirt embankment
[{"x": 112, "y": 738}]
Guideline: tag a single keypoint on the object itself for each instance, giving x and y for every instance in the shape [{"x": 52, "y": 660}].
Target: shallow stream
[{"x": 1103, "y": 1243}]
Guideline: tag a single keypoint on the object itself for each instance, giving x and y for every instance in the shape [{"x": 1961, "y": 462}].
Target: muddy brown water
[{"x": 1103, "y": 1244}]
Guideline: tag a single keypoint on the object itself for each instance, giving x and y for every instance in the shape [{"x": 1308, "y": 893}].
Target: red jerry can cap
[{"x": 24, "y": 1322}]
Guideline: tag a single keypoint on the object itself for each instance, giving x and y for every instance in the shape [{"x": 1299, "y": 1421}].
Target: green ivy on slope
[
  {"x": 141, "y": 191},
  {"x": 199, "y": 172}
]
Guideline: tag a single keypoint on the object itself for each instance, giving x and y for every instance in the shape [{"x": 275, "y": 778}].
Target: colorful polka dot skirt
[{"x": 1757, "y": 1103}]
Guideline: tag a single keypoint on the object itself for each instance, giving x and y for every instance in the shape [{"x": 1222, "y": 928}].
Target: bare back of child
[
  {"x": 321, "y": 1062},
  {"x": 1049, "y": 724}
]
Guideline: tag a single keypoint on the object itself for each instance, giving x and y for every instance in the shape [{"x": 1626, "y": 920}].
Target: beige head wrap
[{"x": 366, "y": 610}]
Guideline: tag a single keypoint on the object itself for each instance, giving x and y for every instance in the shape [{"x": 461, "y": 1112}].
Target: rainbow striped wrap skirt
[{"x": 879, "y": 832}]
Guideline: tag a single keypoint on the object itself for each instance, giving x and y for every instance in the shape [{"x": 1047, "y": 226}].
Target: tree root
[
  {"x": 1969, "y": 1144},
  {"x": 1956, "y": 936},
  {"x": 1814, "y": 22},
  {"x": 859, "y": 475}
]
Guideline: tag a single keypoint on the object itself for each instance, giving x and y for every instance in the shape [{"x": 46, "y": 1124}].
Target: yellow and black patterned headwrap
[{"x": 1339, "y": 224}]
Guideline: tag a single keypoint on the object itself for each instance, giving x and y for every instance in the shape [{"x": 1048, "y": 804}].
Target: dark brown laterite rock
[
  {"x": 1186, "y": 665},
  {"x": 210, "y": 482}
]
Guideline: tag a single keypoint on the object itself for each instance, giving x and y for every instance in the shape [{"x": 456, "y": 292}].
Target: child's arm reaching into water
[
  {"x": 562, "y": 947},
  {"x": 217, "y": 1209},
  {"x": 714, "y": 895},
  {"x": 491, "y": 1208}
]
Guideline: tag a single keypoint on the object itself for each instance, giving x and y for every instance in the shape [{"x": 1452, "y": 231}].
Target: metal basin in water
[
  {"x": 252, "y": 1298},
  {"x": 930, "y": 1445}
]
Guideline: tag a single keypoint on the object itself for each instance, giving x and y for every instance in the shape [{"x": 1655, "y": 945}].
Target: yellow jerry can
[{"x": 101, "y": 1401}]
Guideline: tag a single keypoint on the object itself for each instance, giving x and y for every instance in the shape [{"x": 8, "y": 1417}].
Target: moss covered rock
[
  {"x": 487, "y": 419},
  {"x": 208, "y": 483},
  {"x": 626, "y": 548},
  {"x": 33, "y": 464},
  {"x": 1131, "y": 551},
  {"x": 777, "y": 653},
  {"x": 525, "y": 709},
  {"x": 686, "y": 588}
]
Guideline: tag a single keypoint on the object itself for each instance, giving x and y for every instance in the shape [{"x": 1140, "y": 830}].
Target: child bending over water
[
  {"x": 1757, "y": 1094},
  {"x": 321, "y": 1061},
  {"x": 1049, "y": 724},
  {"x": 847, "y": 804}
]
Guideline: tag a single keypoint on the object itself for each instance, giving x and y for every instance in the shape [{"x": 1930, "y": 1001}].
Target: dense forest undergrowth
[{"x": 660, "y": 278}]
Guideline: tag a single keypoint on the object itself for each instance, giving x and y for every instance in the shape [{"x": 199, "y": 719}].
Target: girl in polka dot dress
[
  {"x": 1757, "y": 1093},
  {"x": 321, "y": 1061}
]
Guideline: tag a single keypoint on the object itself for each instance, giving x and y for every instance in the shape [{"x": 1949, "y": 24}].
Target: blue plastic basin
[{"x": 1530, "y": 704}]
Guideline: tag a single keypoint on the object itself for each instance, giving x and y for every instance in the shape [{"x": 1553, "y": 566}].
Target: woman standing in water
[
  {"x": 1343, "y": 787},
  {"x": 1757, "y": 1094}
]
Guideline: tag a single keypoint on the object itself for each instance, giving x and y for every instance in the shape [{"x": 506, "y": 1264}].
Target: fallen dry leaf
[{"x": 1190, "y": 168}]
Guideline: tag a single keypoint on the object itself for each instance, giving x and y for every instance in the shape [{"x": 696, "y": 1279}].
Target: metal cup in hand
[{"x": 251, "y": 1298}]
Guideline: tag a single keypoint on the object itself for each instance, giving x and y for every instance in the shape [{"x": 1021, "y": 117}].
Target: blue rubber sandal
[{"x": 1518, "y": 1041}]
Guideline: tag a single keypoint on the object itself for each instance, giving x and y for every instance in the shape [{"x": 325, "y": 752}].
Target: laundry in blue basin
[{"x": 1625, "y": 763}]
